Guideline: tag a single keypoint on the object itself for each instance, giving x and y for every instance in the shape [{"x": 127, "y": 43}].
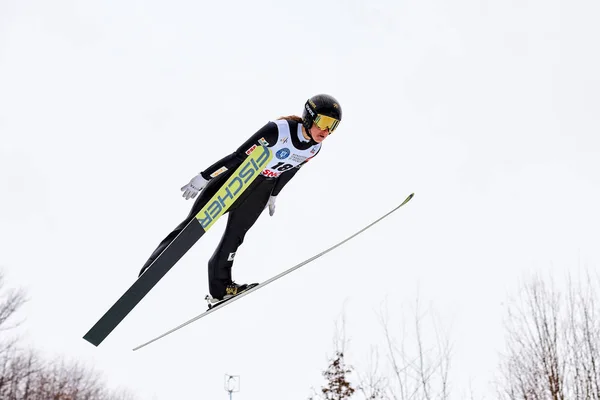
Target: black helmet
[{"x": 324, "y": 110}]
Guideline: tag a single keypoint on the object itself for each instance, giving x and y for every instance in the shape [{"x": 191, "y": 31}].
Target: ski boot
[{"x": 231, "y": 290}]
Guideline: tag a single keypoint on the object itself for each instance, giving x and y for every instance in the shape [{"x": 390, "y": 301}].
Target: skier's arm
[
  {"x": 285, "y": 177},
  {"x": 268, "y": 133}
]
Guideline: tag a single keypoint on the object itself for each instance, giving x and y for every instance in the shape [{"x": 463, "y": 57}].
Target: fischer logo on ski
[{"x": 235, "y": 185}]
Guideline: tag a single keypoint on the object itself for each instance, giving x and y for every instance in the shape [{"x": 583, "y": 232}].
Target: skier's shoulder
[
  {"x": 290, "y": 122},
  {"x": 267, "y": 134}
]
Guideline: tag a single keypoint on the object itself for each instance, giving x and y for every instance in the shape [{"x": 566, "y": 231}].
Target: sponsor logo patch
[
  {"x": 297, "y": 158},
  {"x": 283, "y": 153},
  {"x": 251, "y": 149},
  {"x": 270, "y": 174},
  {"x": 218, "y": 172}
]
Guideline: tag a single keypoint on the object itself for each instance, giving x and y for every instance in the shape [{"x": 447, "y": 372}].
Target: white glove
[
  {"x": 271, "y": 205},
  {"x": 194, "y": 187}
]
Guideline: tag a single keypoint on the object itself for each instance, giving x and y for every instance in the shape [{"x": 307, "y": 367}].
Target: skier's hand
[
  {"x": 271, "y": 205},
  {"x": 194, "y": 187}
]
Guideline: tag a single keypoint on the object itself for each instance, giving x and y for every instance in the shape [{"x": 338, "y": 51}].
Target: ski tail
[{"x": 218, "y": 205}]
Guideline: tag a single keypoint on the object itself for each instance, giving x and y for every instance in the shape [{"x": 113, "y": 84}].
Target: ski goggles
[{"x": 325, "y": 122}]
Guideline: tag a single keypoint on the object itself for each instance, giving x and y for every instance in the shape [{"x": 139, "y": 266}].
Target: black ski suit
[{"x": 244, "y": 212}]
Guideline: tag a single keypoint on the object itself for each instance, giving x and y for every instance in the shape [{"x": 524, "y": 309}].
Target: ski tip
[{"x": 410, "y": 196}]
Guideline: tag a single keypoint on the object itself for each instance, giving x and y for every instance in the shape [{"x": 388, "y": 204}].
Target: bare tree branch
[
  {"x": 25, "y": 376},
  {"x": 552, "y": 342}
]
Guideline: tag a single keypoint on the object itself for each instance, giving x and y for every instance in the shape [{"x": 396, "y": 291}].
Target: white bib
[{"x": 285, "y": 155}]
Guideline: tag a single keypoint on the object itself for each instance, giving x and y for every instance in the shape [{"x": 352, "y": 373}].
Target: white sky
[{"x": 488, "y": 111}]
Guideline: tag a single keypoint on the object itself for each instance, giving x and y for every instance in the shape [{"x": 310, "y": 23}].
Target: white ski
[{"x": 265, "y": 283}]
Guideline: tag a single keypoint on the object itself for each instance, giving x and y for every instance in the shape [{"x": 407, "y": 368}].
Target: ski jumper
[{"x": 291, "y": 150}]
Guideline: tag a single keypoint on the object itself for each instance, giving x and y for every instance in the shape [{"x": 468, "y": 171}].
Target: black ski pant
[{"x": 242, "y": 214}]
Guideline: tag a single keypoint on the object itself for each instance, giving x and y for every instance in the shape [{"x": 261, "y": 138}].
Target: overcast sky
[{"x": 486, "y": 110}]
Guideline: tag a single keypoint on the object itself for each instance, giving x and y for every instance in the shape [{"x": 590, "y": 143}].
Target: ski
[
  {"x": 224, "y": 303},
  {"x": 239, "y": 181}
]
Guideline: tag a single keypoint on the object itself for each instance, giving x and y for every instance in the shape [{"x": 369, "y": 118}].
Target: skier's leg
[
  {"x": 240, "y": 220},
  {"x": 201, "y": 200}
]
